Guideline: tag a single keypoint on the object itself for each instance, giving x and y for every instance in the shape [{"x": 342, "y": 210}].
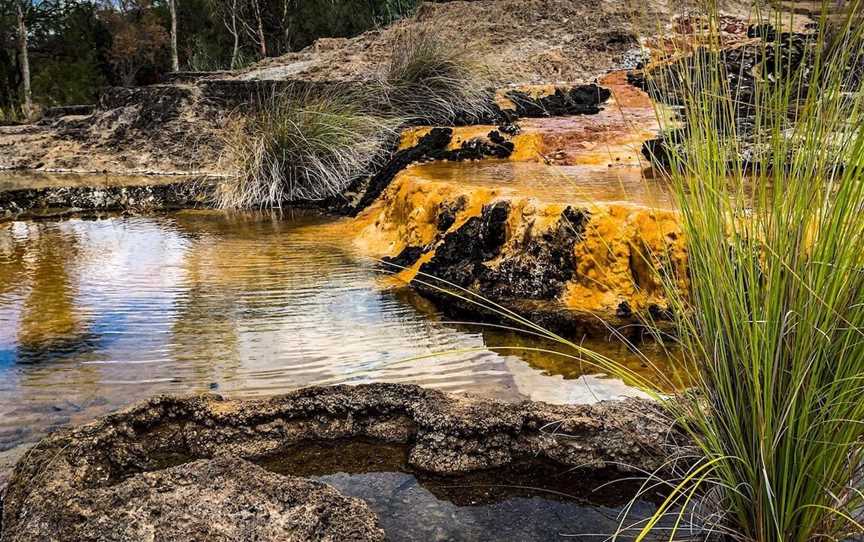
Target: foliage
[
  {"x": 306, "y": 21},
  {"x": 773, "y": 322},
  {"x": 300, "y": 146},
  {"x": 138, "y": 40},
  {"x": 77, "y": 46}
]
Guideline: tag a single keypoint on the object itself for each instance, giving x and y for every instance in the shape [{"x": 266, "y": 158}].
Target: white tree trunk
[
  {"x": 236, "y": 34},
  {"x": 261, "y": 40},
  {"x": 175, "y": 59},
  {"x": 25, "y": 61}
]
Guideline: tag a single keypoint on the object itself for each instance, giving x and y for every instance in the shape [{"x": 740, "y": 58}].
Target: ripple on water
[{"x": 95, "y": 314}]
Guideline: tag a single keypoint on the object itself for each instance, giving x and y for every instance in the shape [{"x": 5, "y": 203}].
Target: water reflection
[
  {"x": 526, "y": 501},
  {"x": 98, "y": 314}
]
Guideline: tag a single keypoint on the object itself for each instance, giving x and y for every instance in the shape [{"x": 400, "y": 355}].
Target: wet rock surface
[
  {"x": 574, "y": 269},
  {"x": 62, "y": 201},
  {"x": 363, "y": 191},
  {"x": 138, "y": 469}
]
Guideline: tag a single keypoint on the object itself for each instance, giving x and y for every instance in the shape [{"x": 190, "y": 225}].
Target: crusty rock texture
[
  {"x": 54, "y": 201},
  {"x": 210, "y": 499},
  {"x": 119, "y": 479}
]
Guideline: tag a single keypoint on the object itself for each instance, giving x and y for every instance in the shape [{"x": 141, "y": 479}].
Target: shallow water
[
  {"x": 17, "y": 180},
  {"x": 96, "y": 314},
  {"x": 530, "y": 502},
  {"x": 552, "y": 184}
]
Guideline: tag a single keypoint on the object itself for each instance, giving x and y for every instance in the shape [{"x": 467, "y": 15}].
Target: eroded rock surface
[
  {"x": 137, "y": 470},
  {"x": 576, "y": 267},
  {"x": 65, "y": 200},
  {"x": 210, "y": 499}
]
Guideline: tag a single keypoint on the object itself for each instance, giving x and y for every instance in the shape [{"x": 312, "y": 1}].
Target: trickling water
[
  {"x": 551, "y": 184},
  {"x": 96, "y": 314}
]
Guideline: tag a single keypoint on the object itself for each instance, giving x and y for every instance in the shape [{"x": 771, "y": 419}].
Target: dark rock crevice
[
  {"x": 578, "y": 100},
  {"x": 460, "y": 256},
  {"x": 535, "y": 268},
  {"x": 363, "y": 191}
]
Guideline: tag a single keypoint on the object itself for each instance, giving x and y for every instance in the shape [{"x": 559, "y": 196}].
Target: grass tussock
[
  {"x": 311, "y": 147},
  {"x": 773, "y": 324},
  {"x": 301, "y": 147},
  {"x": 432, "y": 80}
]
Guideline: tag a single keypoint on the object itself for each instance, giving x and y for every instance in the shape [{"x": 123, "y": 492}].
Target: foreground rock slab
[
  {"x": 151, "y": 468},
  {"x": 219, "y": 499}
]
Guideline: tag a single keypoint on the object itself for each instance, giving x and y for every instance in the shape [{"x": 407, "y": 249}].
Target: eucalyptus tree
[
  {"x": 175, "y": 59},
  {"x": 22, "y": 7},
  {"x": 18, "y": 13}
]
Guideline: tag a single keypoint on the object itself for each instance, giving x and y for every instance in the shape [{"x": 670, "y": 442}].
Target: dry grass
[
  {"x": 310, "y": 147},
  {"x": 430, "y": 80},
  {"x": 301, "y": 147}
]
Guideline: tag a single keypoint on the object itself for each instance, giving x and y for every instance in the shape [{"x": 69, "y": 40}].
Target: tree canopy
[{"x": 77, "y": 46}]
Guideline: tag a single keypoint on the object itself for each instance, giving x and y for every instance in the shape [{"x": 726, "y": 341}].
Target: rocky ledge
[
  {"x": 54, "y": 201},
  {"x": 184, "y": 467}
]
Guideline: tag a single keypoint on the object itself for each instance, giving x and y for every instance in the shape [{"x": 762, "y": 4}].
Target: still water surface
[
  {"x": 525, "y": 502},
  {"x": 96, "y": 314}
]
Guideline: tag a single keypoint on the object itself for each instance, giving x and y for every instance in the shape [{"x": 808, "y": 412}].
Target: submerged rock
[{"x": 150, "y": 468}]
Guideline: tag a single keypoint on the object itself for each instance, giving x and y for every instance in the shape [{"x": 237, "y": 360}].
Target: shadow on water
[{"x": 531, "y": 501}]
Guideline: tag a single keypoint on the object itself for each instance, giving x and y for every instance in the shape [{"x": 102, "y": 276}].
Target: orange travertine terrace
[{"x": 590, "y": 162}]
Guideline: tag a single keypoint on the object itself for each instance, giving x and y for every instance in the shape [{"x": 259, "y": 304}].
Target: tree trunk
[
  {"x": 262, "y": 41},
  {"x": 175, "y": 59},
  {"x": 25, "y": 61},
  {"x": 236, "y": 34},
  {"x": 285, "y": 30}
]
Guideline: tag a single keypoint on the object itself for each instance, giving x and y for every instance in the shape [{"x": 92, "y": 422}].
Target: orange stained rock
[
  {"x": 527, "y": 145},
  {"x": 623, "y": 250},
  {"x": 621, "y": 258},
  {"x": 630, "y": 236},
  {"x": 614, "y": 136},
  {"x": 406, "y": 214}
]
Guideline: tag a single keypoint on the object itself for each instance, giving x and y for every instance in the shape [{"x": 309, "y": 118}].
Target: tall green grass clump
[
  {"x": 773, "y": 322},
  {"x": 431, "y": 80},
  {"x": 301, "y": 147}
]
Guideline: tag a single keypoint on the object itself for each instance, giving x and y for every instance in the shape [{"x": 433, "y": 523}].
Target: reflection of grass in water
[{"x": 652, "y": 362}]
